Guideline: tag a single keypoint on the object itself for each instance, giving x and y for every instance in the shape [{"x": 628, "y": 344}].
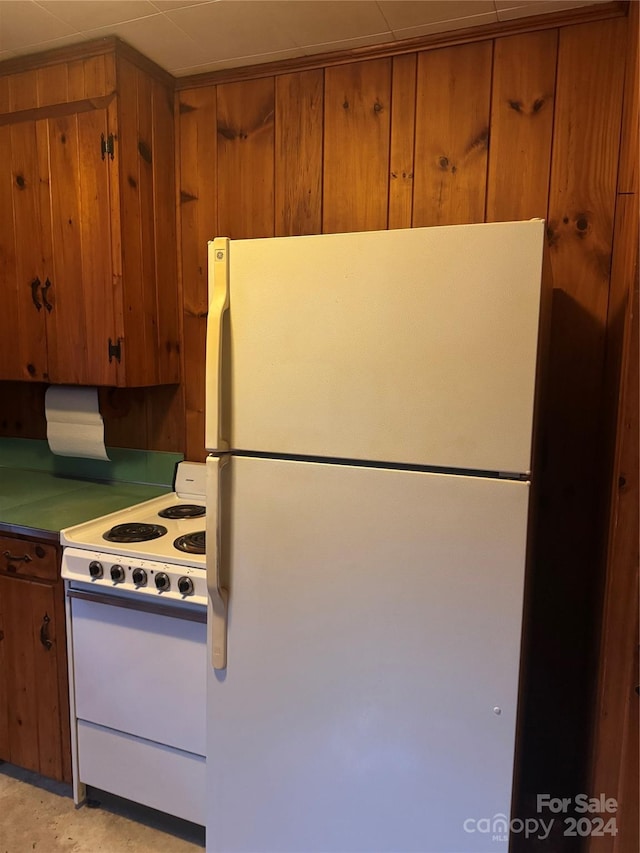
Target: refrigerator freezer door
[
  {"x": 415, "y": 346},
  {"x": 369, "y": 700}
]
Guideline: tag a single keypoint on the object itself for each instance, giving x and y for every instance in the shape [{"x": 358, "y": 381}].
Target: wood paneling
[
  {"x": 585, "y": 162},
  {"x": 76, "y": 80},
  {"x": 23, "y": 91},
  {"x": 298, "y": 153},
  {"x": 521, "y": 126},
  {"x": 403, "y": 117},
  {"x": 628, "y": 172},
  {"x": 615, "y": 739},
  {"x": 569, "y": 532},
  {"x": 93, "y": 76},
  {"x": 615, "y": 754},
  {"x": 124, "y": 411},
  {"x": 22, "y": 410},
  {"x": 357, "y": 120},
  {"x": 162, "y": 198},
  {"x": 452, "y": 135},
  {"x": 245, "y": 122},
  {"x": 5, "y": 95},
  {"x": 198, "y": 219},
  {"x": 52, "y": 85}
]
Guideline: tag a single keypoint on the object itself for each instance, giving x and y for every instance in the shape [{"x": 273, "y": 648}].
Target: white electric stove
[{"x": 135, "y": 584}]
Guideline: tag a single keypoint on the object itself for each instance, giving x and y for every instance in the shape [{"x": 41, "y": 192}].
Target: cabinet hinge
[
  {"x": 107, "y": 145},
  {"x": 115, "y": 350}
]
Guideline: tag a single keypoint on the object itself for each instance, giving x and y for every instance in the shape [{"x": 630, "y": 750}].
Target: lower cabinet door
[{"x": 33, "y": 676}]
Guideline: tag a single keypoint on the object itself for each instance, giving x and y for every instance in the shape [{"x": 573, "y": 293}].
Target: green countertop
[{"x": 41, "y": 494}]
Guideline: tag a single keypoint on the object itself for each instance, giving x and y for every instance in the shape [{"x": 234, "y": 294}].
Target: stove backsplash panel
[{"x": 126, "y": 465}]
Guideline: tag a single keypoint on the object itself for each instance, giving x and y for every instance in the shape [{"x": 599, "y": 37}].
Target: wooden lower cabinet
[{"x": 34, "y": 701}]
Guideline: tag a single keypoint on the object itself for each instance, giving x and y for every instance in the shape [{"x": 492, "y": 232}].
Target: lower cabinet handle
[
  {"x": 35, "y": 284},
  {"x": 24, "y": 559},
  {"x": 44, "y": 632}
]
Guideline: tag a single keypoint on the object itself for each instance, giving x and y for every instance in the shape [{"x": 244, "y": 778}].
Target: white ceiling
[{"x": 193, "y": 36}]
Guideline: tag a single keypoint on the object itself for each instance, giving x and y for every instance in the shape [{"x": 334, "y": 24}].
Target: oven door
[{"x": 139, "y": 667}]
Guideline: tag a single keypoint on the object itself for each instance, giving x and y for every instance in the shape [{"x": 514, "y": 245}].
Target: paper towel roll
[{"x": 74, "y": 423}]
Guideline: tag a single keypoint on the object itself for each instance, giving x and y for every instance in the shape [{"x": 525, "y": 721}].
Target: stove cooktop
[
  {"x": 168, "y": 529},
  {"x": 140, "y": 531}
]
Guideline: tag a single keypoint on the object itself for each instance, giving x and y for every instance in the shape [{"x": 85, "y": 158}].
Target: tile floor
[{"x": 38, "y": 815}]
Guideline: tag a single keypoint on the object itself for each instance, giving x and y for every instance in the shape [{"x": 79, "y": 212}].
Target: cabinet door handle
[
  {"x": 44, "y": 632},
  {"x": 35, "y": 284},
  {"x": 45, "y": 301},
  {"x": 24, "y": 559}
]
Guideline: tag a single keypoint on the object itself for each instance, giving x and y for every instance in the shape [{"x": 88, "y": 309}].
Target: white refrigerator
[{"x": 370, "y": 405}]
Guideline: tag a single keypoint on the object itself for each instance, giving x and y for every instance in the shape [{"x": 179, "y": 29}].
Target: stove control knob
[
  {"x": 139, "y": 577},
  {"x": 185, "y": 585},
  {"x": 95, "y": 569},
  {"x": 162, "y": 581},
  {"x": 117, "y": 574}
]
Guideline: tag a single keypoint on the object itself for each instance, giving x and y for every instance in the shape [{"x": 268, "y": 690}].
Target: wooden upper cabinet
[{"x": 88, "y": 269}]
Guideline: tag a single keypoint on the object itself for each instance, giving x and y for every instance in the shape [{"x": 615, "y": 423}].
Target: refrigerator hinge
[
  {"x": 115, "y": 350},
  {"x": 107, "y": 145}
]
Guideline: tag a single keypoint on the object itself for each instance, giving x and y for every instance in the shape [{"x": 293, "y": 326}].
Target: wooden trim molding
[
  {"x": 83, "y": 50},
  {"x": 110, "y": 44},
  {"x": 56, "y": 110},
  {"x": 585, "y": 14}
]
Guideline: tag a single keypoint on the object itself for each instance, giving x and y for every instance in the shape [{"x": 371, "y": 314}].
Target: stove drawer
[
  {"x": 157, "y": 776},
  {"x": 140, "y": 673},
  {"x": 27, "y": 558}
]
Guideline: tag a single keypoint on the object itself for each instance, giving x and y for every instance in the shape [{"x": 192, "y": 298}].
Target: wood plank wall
[
  {"x": 615, "y": 760},
  {"x": 512, "y": 127}
]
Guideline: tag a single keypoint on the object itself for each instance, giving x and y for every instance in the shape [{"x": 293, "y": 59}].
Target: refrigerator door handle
[
  {"x": 218, "y": 596},
  {"x": 218, "y": 305}
]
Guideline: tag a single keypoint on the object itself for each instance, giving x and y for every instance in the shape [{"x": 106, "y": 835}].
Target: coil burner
[
  {"x": 133, "y": 531},
  {"x": 183, "y": 511},
  {"x": 191, "y": 543}
]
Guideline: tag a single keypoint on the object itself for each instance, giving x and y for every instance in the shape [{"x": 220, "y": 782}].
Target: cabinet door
[
  {"x": 24, "y": 248},
  {"x": 82, "y": 318},
  {"x": 33, "y": 642}
]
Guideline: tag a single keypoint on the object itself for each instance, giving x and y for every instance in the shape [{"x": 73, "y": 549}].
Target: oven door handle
[
  {"x": 218, "y": 597},
  {"x": 140, "y": 604}
]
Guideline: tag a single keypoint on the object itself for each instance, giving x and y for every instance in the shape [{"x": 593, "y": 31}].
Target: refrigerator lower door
[{"x": 369, "y": 698}]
